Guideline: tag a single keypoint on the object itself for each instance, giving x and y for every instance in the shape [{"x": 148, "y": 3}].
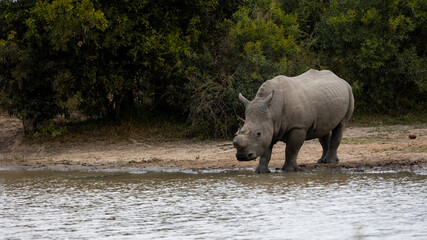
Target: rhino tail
[{"x": 350, "y": 108}]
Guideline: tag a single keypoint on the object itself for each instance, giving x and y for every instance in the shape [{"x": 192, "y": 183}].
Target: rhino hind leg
[
  {"x": 324, "y": 141},
  {"x": 334, "y": 142}
]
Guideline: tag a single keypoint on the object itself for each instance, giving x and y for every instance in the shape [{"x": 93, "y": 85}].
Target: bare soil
[{"x": 383, "y": 147}]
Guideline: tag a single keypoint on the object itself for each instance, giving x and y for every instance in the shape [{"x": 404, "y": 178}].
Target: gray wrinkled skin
[{"x": 315, "y": 104}]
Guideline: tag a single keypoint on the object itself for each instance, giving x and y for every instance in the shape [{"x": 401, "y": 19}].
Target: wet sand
[{"x": 382, "y": 148}]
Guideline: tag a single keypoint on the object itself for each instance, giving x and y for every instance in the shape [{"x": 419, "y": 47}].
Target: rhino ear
[
  {"x": 244, "y": 100},
  {"x": 266, "y": 102}
]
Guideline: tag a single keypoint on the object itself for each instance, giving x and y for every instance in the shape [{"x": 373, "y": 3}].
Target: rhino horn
[
  {"x": 241, "y": 122},
  {"x": 243, "y": 100},
  {"x": 237, "y": 133}
]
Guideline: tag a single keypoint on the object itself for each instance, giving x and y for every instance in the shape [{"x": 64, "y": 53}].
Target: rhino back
[{"x": 315, "y": 100}]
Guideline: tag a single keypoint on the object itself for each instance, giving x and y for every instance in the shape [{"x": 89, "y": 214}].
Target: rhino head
[{"x": 255, "y": 136}]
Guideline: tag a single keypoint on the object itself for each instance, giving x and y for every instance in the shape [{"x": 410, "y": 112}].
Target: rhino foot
[
  {"x": 291, "y": 168},
  {"x": 328, "y": 160},
  {"x": 260, "y": 169}
]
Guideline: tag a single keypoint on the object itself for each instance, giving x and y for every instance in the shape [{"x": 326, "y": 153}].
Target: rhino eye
[{"x": 258, "y": 134}]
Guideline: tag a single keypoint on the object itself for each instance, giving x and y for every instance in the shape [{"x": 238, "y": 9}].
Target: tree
[
  {"x": 259, "y": 42},
  {"x": 140, "y": 56},
  {"x": 377, "y": 46},
  {"x": 194, "y": 57},
  {"x": 35, "y": 76}
]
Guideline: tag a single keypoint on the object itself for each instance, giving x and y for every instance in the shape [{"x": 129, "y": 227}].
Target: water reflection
[{"x": 236, "y": 204}]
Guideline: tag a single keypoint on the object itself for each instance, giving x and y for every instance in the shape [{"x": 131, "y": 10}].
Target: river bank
[{"x": 382, "y": 148}]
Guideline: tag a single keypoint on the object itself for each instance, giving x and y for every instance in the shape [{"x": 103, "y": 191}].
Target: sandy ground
[{"x": 384, "y": 147}]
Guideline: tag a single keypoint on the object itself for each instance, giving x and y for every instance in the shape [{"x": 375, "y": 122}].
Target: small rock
[{"x": 412, "y": 136}]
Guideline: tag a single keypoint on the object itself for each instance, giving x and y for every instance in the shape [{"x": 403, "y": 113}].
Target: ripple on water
[{"x": 215, "y": 204}]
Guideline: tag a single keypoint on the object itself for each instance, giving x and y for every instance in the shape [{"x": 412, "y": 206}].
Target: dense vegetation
[{"x": 115, "y": 59}]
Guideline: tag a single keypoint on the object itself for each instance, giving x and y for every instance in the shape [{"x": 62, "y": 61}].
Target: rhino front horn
[{"x": 241, "y": 120}]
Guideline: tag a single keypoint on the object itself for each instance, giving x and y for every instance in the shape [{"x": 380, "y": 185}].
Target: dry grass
[
  {"x": 153, "y": 130},
  {"x": 162, "y": 128},
  {"x": 369, "y": 120},
  {"x": 407, "y": 149}
]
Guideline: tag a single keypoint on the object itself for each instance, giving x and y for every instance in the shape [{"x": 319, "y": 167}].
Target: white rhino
[{"x": 315, "y": 104}]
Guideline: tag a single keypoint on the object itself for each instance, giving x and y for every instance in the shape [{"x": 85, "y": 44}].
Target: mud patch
[{"x": 362, "y": 148}]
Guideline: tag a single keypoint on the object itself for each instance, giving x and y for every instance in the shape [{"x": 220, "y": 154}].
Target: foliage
[
  {"x": 192, "y": 58},
  {"x": 138, "y": 58},
  {"x": 35, "y": 74},
  {"x": 379, "y": 46},
  {"x": 258, "y": 43},
  {"x": 54, "y": 132}
]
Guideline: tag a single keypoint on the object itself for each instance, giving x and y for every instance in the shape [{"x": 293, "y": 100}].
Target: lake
[{"x": 214, "y": 204}]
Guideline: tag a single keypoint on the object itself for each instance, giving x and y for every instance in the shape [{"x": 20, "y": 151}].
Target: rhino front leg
[
  {"x": 293, "y": 144},
  {"x": 264, "y": 160}
]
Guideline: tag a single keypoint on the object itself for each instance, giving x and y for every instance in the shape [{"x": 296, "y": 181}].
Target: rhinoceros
[{"x": 315, "y": 104}]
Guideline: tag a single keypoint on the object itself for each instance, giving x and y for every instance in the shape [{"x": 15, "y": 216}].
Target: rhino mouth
[{"x": 245, "y": 156}]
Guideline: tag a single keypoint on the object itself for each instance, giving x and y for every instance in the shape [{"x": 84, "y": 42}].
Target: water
[{"x": 212, "y": 205}]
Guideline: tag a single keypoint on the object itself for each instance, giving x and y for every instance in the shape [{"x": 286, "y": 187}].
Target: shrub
[
  {"x": 259, "y": 42},
  {"x": 376, "y": 46}
]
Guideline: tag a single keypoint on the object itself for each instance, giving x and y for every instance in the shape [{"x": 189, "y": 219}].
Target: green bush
[
  {"x": 194, "y": 57},
  {"x": 377, "y": 47},
  {"x": 259, "y": 42},
  {"x": 38, "y": 39}
]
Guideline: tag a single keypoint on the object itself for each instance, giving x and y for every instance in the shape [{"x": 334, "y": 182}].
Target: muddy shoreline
[
  {"x": 405, "y": 165},
  {"x": 380, "y": 148}
]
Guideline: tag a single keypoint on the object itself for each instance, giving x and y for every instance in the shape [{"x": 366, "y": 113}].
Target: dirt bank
[{"x": 385, "y": 147}]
